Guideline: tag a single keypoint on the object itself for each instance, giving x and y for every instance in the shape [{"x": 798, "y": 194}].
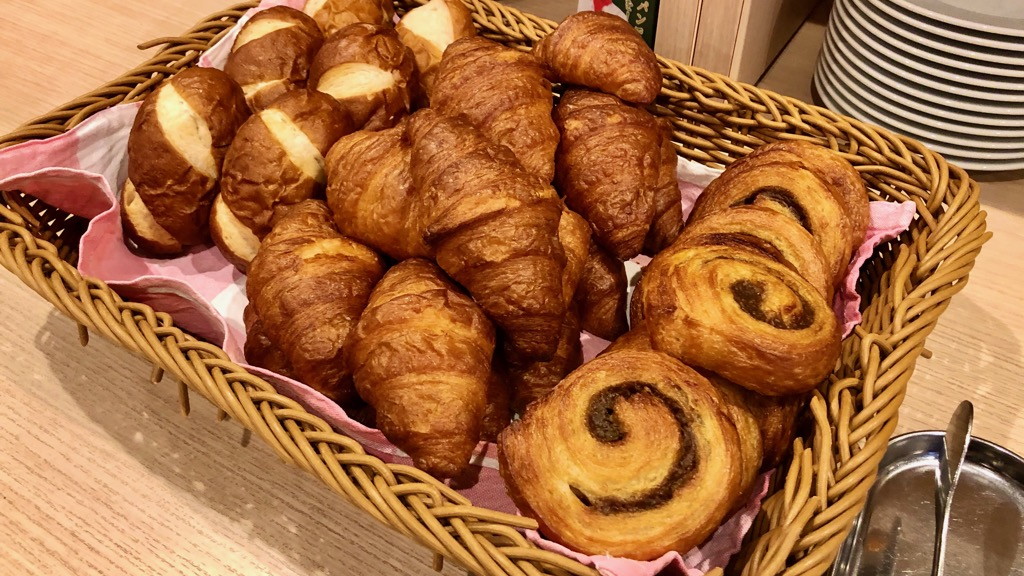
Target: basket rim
[{"x": 480, "y": 539}]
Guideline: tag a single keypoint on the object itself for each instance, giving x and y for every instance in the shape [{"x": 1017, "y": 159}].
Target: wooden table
[{"x": 100, "y": 474}]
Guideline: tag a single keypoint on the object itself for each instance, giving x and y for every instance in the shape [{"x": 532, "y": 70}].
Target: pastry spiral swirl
[
  {"x": 631, "y": 455},
  {"x": 739, "y": 313}
]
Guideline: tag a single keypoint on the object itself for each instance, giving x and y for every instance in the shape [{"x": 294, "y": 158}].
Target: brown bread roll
[
  {"x": 277, "y": 157},
  {"x": 421, "y": 356},
  {"x": 333, "y": 15},
  {"x": 503, "y": 93},
  {"x": 141, "y": 230},
  {"x": 429, "y": 29},
  {"x": 603, "y": 52},
  {"x": 236, "y": 241},
  {"x": 368, "y": 70},
  {"x": 272, "y": 53},
  {"x": 176, "y": 148},
  {"x": 308, "y": 285}
]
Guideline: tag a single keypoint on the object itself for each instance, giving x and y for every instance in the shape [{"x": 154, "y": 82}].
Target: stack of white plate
[{"x": 949, "y": 73}]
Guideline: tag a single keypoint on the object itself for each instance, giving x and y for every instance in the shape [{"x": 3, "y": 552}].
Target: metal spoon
[{"x": 951, "y": 459}]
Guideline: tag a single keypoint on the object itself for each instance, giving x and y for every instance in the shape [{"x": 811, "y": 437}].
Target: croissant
[
  {"x": 308, "y": 285},
  {"x": 632, "y": 455},
  {"x": 601, "y": 294},
  {"x": 535, "y": 380},
  {"x": 738, "y": 312},
  {"x": 505, "y": 94},
  {"x": 498, "y": 412},
  {"x": 776, "y": 235},
  {"x": 574, "y": 235},
  {"x": 259, "y": 351},
  {"x": 494, "y": 229},
  {"x": 603, "y": 52},
  {"x": 370, "y": 192},
  {"x": 841, "y": 178},
  {"x": 790, "y": 189},
  {"x": 668, "y": 206},
  {"x": 608, "y": 167},
  {"x": 421, "y": 356}
]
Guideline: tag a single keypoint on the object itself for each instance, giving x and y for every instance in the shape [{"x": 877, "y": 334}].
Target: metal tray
[{"x": 895, "y": 532}]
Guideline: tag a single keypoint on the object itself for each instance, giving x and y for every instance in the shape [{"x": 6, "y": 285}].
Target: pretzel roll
[
  {"x": 604, "y": 52},
  {"x": 741, "y": 314},
  {"x": 272, "y": 53},
  {"x": 370, "y": 192},
  {"x": 277, "y": 158},
  {"x": 333, "y": 15},
  {"x": 602, "y": 295},
  {"x": 607, "y": 167},
  {"x": 177, "y": 145},
  {"x": 429, "y": 29},
  {"x": 843, "y": 180},
  {"x": 368, "y": 70},
  {"x": 308, "y": 285},
  {"x": 140, "y": 229},
  {"x": 776, "y": 235},
  {"x": 632, "y": 455},
  {"x": 790, "y": 189},
  {"x": 236, "y": 241}
]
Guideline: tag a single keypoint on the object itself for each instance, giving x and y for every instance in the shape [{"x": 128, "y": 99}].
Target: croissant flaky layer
[
  {"x": 632, "y": 455},
  {"x": 505, "y": 94},
  {"x": 493, "y": 228},
  {"x": 421, "y": 356},
  {"x": 308, "y": 285}
]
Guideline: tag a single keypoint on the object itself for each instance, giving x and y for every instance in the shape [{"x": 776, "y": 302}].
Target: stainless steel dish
[{"x": 895, "y": 532}]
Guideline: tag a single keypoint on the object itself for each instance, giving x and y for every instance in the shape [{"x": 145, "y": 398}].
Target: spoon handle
[{"x": 954, "y": 451}]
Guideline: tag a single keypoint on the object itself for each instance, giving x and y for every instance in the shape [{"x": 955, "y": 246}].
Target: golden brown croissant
[
  {"x": 843, "y": 180},
  {"x": 277, "y": 157},
  {"x": 259, "y": 351},
  {"x": 368, "y": 70},
  {"x": 498, "y": 412},
  {"x": 308, "y": 285},
  {"x": 608, "y": 167},
  {"x": 668, "y": 207},
  {"x": 421, "y": 356},
  {"x": 429, "y": 29},
  {"x": 739, "y": 313},
  {"x": 534, "y": 380},
  {"x": 176, "y": 148},
  {"x": 787, "y": 188},
  {"x": 503, "y": 93},
  {"x": 370, "y": 191},
  {"x": 494, "y": 229},
  {"x": 603, "y": 52},
  {"x": 333, "y": 15},
  {"x": 776, "y": 235},
  {"x": 632, "y": 455},
  {"x": 601, "y": 294},
  {"x": 272, "y": 53},
  {"x": 574, "y": 235}
]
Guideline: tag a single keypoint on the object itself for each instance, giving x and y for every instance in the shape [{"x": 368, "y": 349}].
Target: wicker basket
[{"x": 815, "y": 496}]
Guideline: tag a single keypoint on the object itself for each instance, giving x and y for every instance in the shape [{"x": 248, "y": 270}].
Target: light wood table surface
[{"x": 100, "y": 474}]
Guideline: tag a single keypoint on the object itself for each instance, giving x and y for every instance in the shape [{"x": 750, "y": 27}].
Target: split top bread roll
[
  {"x": 277, "y": 157},
  {"x": 308, "y": 285},
  {"x": 421, "y": 356},
  {"x": 333, "y": 15},
  {"x": 429, "y": 29},
  {"x": 632, "y": 455},
  {"x": 368, "y": 70},
  {"x": 177, "y": 145},
  {"x": 608, "y": 166},
  {"x": 236, "y": 241},
  {"x": 493, "y": 228},
  {"x": 272, "y": 53},
  {"x": 370, "y": 191},
  {"x": 603, "y": 52},
  {"x": 505, "y": 94}
]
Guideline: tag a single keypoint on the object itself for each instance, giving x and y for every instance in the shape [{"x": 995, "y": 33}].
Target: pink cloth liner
[{"x": 78, "y": 172}]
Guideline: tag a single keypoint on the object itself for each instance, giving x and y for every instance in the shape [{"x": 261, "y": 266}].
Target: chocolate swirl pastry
[
  {"x": 740, "y": 313},
  {"x": 632, "y": 455},
  {"x": 790, "y": 189}
]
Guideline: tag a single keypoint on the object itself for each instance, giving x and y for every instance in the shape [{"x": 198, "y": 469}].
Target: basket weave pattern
[{"x": 816, "y": 495}]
